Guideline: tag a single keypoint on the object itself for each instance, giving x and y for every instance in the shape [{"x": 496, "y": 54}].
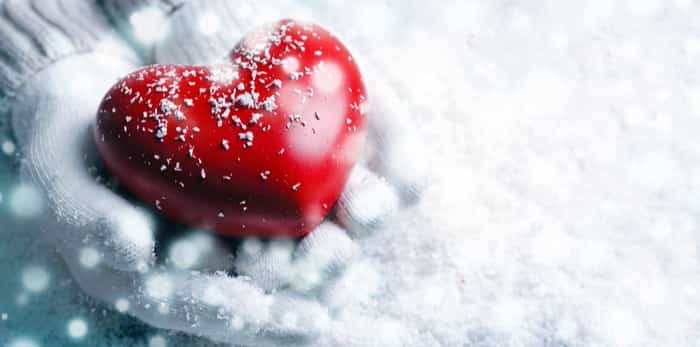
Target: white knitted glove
[{"x": 60, "y": 58}]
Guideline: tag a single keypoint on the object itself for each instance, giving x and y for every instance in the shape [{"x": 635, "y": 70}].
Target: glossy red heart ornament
[{"x": 259, "y": 146}]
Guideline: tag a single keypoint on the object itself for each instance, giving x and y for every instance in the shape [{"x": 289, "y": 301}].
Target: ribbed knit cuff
[{"x": 36, "y": 33}]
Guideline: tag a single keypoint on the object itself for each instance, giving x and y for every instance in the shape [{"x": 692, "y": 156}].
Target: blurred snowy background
[{"x": 565, "y": 141}]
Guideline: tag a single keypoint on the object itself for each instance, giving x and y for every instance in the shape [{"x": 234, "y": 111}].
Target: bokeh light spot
[
  {"x": 159, "y": 286},
  {"x": 35, "y": 279},
  {"x": 77, "y": 328},
  {"x": 8, "y": 147},
  {"x": 89, "y": 257},
  {"x": 184, "y": 254},
  {"x": 122, "y": 305},
  {"x": 237, "y": 323},
  {"x": 209, "y": 23},
  {"x": 26, "y": 201},
  {"x": 148, "y": 24}
]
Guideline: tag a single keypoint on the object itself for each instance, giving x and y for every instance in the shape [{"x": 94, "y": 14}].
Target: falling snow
[
  {"x": 562, "y": 209},
  {"x": 77, "y": 328}
]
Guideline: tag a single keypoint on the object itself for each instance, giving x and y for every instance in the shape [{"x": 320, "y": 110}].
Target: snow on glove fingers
[
  {"x": 268, "y": 264},
  {"x": 280, "y": 264},
  {"x": 365, "y": 203},
  {"x": 397, "y": 152},
  {"x": 213, "y": 306}
]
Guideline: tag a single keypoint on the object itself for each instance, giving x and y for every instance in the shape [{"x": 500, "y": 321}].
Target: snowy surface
[{"x": 564, "y": 206}]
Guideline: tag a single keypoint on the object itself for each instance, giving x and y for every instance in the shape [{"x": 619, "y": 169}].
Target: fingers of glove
[
  {"x": 217, "y": 307},
  {"x": 360, "y": 281},
  {"x": 366, "y": 201},
  {"x": 277, "y": 264},
  {"x": 267, "y": 264},
  {"x": 397, "y": 152},
  {"x": 322, "y": 255},
  {"x": 201, "y": 32},
  {"x": 51, "y": 120}
]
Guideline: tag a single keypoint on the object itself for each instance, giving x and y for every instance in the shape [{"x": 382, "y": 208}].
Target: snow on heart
[{"x": 261, "y": 145}]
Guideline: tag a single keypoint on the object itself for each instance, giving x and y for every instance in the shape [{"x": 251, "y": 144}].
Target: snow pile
[{"x": 565, "y": 206}]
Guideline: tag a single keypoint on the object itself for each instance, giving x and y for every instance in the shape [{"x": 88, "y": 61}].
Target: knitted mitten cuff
[{"x": 36, "y": 33}]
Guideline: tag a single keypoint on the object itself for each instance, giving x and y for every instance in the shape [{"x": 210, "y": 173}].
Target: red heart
[{"x": 260, "y": 146}]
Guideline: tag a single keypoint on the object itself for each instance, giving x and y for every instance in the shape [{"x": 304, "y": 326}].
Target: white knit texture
[
  {"x": 52, "y": 116},
  {"x": 35, "y": 33}
]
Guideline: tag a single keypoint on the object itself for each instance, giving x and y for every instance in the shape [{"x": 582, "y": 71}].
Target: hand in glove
[{"x": 60, "y": 59}]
